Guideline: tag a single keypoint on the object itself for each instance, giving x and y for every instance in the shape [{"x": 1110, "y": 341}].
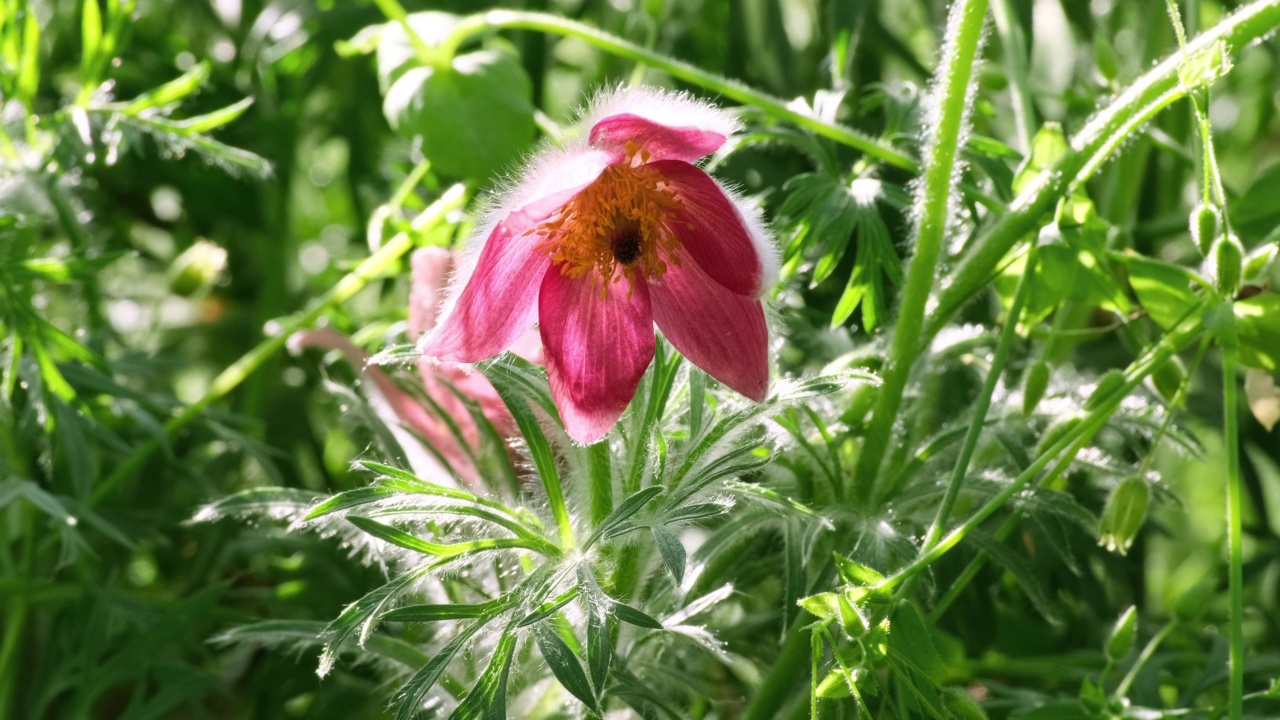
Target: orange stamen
[{"x": 616, "y": 226}]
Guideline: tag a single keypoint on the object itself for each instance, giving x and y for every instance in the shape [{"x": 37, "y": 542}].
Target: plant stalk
[
  {"x": 1235, "y": 552},
  {"x": 964, "y": 37},
  {"x": 1007, "y": 336}
]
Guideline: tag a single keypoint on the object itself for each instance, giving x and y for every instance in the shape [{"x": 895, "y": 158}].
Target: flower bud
[
  {"x": 1056, "y": 432},
  {"x": 1169, "y": 378},
  {"x": 1034, "y": 385},
  {"x": 1205, "y": 221},
  {"x": 197, "y": 268},
  {"x": 1123, "y": 514},
  {"x": 1107, "y": 385},
  {"x": 1227, "y": 261},
  {"x": 1121, "y": 640}
]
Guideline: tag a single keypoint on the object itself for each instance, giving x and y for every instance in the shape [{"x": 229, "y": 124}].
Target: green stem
[
  {"x": 1088, "y": 426},
  {"x": 16, "y": 616},
  {"x": 542, "y": 22},
  {"x": 964, "y": 37},
  {"x": 782, "y": 680},
  {"x": 394, "y": 11},
  {"x": 1145, "y": 656},
  {"x": 1005, "y": 346},
  {"x": 353, "y": 282},
  {"x": 1235, "y": 572},
  {"x": 1100, "y": 137}
]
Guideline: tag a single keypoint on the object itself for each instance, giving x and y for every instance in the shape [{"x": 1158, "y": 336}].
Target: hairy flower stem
[
  {"x": 1003, "y": 348},
  {"x": 1235, "y": 553},
  {"x": 1089, "y": 425},
  {"x": 542, "y": 22},
  {"x": 353, "y": 282},
  {"x": 964, "y": 37},
  {"x": 1093, "y": 145}
]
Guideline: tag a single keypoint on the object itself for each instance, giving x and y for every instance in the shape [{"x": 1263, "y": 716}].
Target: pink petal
[
  {"x": 712, "y": 229},
  {"x": 662, "y": 142},
  {"x": 497, "y": 304},
  {"x": 397, "y": 409},
  {"x": 598, "y": 342},
  {"x": 718, "y": 330},
  {"x": 431, "y": 266}
]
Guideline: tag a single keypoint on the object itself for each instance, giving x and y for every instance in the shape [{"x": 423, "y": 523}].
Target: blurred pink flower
[
  {"x": 404, "y": 414},
  {"x": 606, "y": 237}
]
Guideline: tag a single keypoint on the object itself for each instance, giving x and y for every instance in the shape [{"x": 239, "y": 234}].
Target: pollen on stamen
[{"x": 618, "y": 225}]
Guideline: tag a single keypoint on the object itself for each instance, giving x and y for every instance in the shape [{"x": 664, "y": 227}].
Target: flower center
[{"x": 616, "y": 226}]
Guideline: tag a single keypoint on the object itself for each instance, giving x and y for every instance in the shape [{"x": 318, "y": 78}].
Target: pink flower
[
  {"x": 409, "y": 421},
  {"x": 606, "y": 237}
]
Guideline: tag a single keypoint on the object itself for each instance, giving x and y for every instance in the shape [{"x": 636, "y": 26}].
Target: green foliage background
[{"x": 110, "y": 595}]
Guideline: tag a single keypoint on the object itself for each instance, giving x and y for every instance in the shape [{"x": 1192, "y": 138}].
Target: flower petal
[
  {"x": 718, "y": 330},
  {"x": 713, "y": 230},
  {"x": 430, "y": 268},
  {"x": 662, "y": 142},
  {"x": 598, "y": 342}
]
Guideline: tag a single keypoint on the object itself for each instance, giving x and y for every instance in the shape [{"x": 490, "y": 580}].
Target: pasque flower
[
  {"x": 411, "y": 422},
  {"x": 600, "y": 240}
]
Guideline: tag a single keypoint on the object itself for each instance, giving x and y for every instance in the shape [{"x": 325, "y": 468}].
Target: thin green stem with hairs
[{"x": 954, "y": 75}]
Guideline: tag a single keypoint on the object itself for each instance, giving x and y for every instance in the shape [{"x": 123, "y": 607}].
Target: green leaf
[
  {"x": 671, "y": 550},
  {"x": 599, "y": 646},
  {"x": 629, "y": 507},
  {"x": 565, "y": 665},
  {"x": 1205, "y": 67},
  {"x": 171, "y": 92},
  {"x": 408, "y": 541},
  {"x": 1047, "y": 147},
  {"x": 855, "y": 573},
  {"x": 628, "y": 614},
  {"x": 1165, "y": 291},
  {"x": 824, "y": 605},
  {"x": 273, "y": 502},
  {"x": 487, "y": 699},
  {"x": 90, "y": 38},
  {"x": 548, "y": 608},
  {"x": 1021, "y": 571},
  {"x": 1257, "y": 322},
  {"x": 409, "y": 698},
  {"x": 216, "y": 119},
  {"x": 436, "y": 613},
  {"x": 1255, "y": 216},
  {"x": 473, "y": 117}
]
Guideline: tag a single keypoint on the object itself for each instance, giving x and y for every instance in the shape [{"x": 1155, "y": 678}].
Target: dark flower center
[{"x": 626, "y": 243}]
